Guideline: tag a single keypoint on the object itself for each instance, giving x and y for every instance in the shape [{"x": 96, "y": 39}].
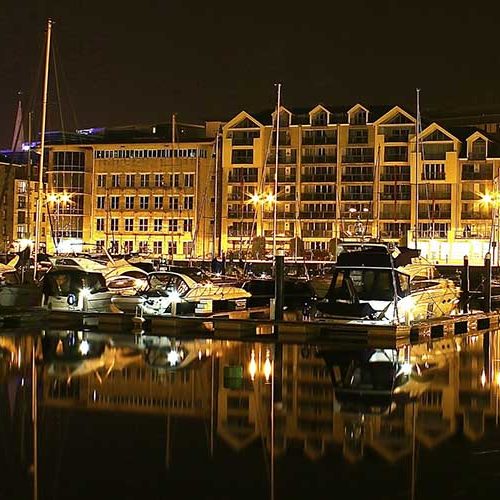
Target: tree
[
  {"x": 259, "y": 247},
  {"x": 296, "y": 247}
]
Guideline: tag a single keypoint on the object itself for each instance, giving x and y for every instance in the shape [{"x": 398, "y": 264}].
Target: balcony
[
  {"x": 281, "y": 178},
  {"x": 239, "y": 214},
  {"x": 290, "y": 159},
  {"x": 397, "y": 138},
  {"x": 317, "y": 233},
  {"x": 317, "y": 215},
  {"x": 394, "y": 177},
  {"x": 357, "y": 196},
  {"x": 434, "y": 214},
  {"x": 435, "y": 176},
  {"x": 470, "y": 214},
  {"x": 319, "y": 159},
  {"x": 398, "y": 195},
  {"x": 319, "y": 140},
  {"x": 484, "y": 174},
  {"x": 396, "y": 158},
  {"x": 319, "y": 178},
  {"x": 242, "y": 141},
  {"x": 234, "y": 233},
  {"x": 287, "y": 196},
  {"x": 242, "y": 178},
  {"x": 397, "y": 214},
  {"x": 436, "y": 195},
  {"x": 358, "y": 158},
  {"x": 353, "y": 216},
  {"x": 357, "y": 177},
  {"x": 477, "y": 155},
  {"x": 280, "y": 214},
  {"x": 471, "y": 195},
  {"x": 318, "y": 196},
  {"x": 283, "y": 234}
]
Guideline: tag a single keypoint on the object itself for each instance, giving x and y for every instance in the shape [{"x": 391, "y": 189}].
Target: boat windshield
[{"x": 363, "y": 284}]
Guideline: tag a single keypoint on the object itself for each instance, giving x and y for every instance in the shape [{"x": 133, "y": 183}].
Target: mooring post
[
  {"x": 279, "y": 287},
  {"x": 465, "y": 285},
  {"x": 487, "y": 283}
]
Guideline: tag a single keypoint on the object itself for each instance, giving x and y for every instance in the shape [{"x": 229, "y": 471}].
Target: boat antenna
[{"x": 42, "y": 147}]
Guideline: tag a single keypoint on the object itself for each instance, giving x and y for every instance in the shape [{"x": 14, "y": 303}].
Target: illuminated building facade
[{"x": 351, "y": 173}]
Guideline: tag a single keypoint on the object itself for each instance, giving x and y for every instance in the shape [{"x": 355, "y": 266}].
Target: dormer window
[
  {"x": 284, "y": 119},
  {"x": 478, "y": 150},
  {"x": 319, "y": 119},
  {"x": 359, "y": 117}
]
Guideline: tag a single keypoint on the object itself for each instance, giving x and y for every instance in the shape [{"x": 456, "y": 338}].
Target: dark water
[{"x": 152, "y": 418}]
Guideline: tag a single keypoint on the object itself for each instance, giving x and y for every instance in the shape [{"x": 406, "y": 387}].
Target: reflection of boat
[
  {"x": 165, "y": 353},
  {"x": 392, "y": 287},
  {"x": 186, "y": 294},
  {"x": 374, "y": 380},
  {"x": 72, "y": 289},
  {"x": 70, "y": 354}
]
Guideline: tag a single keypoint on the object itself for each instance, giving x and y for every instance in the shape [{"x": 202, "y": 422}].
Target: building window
[
  {"x": 188, "y": 202},
  {"x": 143, "y": 224},
  {"x": 129, "y": 224},
  {"x": 128, "y": 246},
  {"x": 158, "y": 225},
  {"x": 144, "y": 202},
  {"x": 100, "y": 202},
  {"x": 242, "y": 156},
  {"x": 114, "y": 202},
  {"x": 99, "y": 245},
  {"x": 187, "y": 248},
  {"x": 172, "y": 247},
  {"x": 188, "y": 180},
  {"x": 143, "y": 246},
  {"x": 99, "y": 224},
  {"x": 188, "y": 225},
  {"x": 434, "y": 172},
  {"x": 114, "y": 224},
  {"x": 158, "y": 202},
  {"x": 144, "y": 180},
  {"x": 172, "y": 225},
  {"x": 173, "y": 202},
  {"x": 101, "y": 180},
  {"x": 115, "y": 180},
  {"x": 158, "y": 180},
  {"x": 129, "y": 202},
  {"x": 157, "y": 247},
  {"x": 173, "y": 180},
  {"x": 129, "y": 180}
]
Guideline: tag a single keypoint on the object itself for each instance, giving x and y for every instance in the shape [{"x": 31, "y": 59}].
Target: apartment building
[
  {"x": 351, "y": 173},
  {"x": 133, "y": 194}
]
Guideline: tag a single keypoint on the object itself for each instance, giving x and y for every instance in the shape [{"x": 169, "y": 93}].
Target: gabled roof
[
  {"x": 393, "y": 112},
  {"x": 435, "y": 127},
  {"x": 242, "y": 118}
]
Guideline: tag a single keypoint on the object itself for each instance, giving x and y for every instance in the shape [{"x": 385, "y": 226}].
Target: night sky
[{"x": 123, "y": 62}]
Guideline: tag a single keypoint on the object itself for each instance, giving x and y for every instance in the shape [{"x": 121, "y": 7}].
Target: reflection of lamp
[
  {"x": 265, "y": 370},
  {"x": 483, "y": 378}
]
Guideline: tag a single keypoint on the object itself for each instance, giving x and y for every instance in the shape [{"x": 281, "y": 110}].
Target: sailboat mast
[
  {"x": 42, "y": 147},
  {"x": 417, "y": 163},
  {"x": 275, "y": 222}
]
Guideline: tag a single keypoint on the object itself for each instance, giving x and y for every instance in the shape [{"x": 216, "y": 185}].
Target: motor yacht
[
  {"x": 171, "y": 292},
  {"x": 385, "y": 285}
]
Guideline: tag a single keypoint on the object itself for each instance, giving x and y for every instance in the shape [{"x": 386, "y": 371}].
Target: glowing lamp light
[
  {"x": 267, "y": 366},
  {"x": 86, "y": 293},
  {"x": 270, "y": 198},
  {"x": 255, "y": 198},
  {"x": 84, "y": 347},
  {"x": 497, "y": 379},
  {"x": 486, "y": 198},
  {"x": 483, "y": 378},
  {"x": 406, "y": 368},
  {"x": 252, "y": 366},
  {"x": 173, "y": 357}
]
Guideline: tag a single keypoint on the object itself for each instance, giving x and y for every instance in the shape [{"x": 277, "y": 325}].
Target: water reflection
[{"x": 319, "y": 402}]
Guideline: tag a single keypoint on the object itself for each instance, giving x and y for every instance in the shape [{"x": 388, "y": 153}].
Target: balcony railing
[
  {"x": 395, "y": 214},
  {"x": 393, "y": 158},
  {"x": 319, "y": 159},
  {"x": 282, "y": 159},
  {"x": 395, "y": 177},
  {"x": 395, "y": 196},
  {"x": 357, "y": 177},
  {"x": 357, "y": 196},
  {"x": 477, "y": 155},
  {"x": 242, "y": 178},
  {"x": 358, "y": 158},
  {"x": 434, "y": 214},
  {"x": 236, "y": 234},
  {"x": 280, "y": 214},
  {"x": 353, "y": 216},
  {"x": 282, "y": 234},
  {"x": 242, "y": 141},
  {"x": 317, "y": 215},
  {"x": 318, "y": 196},
  {"x": 436, "y": 195},
  {"x": 475, "y": 215},
  {"x": 317, "y": 233},
  {"x": 483, "y": 175},
  {"x": 281, "y": 178},
  {"x": 470, "y": 195},
  {"x": 319, "y": 178},
  {"x": 397, "y": 138},
  {"x": 320, "y": 140},
  {"x": 239, "y": 214},
  {"x": 436, "y": 176}
]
